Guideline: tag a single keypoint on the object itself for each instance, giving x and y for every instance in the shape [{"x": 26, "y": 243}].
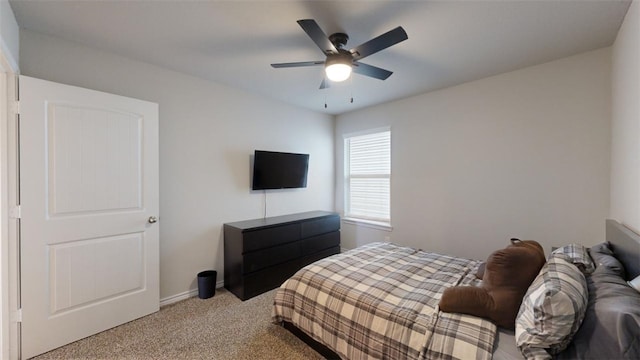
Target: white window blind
[{"x": 368, "y": 176}]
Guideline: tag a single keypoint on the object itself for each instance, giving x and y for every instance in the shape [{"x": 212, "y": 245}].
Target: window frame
[{"x": 349, "y": 217}]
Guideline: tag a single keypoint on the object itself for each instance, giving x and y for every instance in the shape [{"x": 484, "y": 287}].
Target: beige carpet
[{"x": 221, "y": 327}]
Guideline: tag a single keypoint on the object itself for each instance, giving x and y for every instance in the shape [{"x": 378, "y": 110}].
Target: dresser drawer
[
  {"x": 271, "y": 256},
  {"x": 320, "y": 226},
  {"x": 264, "y": 238},
  {"x": 320, "y": 242},
  {"x": 269, "y": 278},
  {"x": 272, "y": 277},
  {"x": 319, "y": 255}
]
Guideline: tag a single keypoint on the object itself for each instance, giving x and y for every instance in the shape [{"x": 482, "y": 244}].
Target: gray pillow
[
  {"x": 605, "y": 260},
  {"x": 602, "y": 248},
  {"x": 611, "y": 327},
  {"x": 552, "y": 309}
]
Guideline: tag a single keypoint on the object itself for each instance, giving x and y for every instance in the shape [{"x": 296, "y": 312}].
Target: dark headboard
[{"x": 626, "y": 245}]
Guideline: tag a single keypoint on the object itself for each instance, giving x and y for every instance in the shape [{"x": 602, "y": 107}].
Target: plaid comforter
[{"x": 381, "y": 301}]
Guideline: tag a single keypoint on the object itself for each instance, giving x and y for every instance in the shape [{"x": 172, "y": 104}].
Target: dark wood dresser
[{"x": 260, "y": 254}]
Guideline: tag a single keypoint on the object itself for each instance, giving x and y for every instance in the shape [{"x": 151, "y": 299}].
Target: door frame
[{"x": 9, "y": 223}]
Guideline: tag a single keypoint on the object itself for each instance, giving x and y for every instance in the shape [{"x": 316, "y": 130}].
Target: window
[{"x": 368, "y": 176}]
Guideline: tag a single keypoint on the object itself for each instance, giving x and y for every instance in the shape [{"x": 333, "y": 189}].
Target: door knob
[{"x": 152, "y": 219}]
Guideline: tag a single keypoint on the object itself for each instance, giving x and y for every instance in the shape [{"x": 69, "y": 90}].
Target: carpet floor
[{"x": 221, "y": 327}]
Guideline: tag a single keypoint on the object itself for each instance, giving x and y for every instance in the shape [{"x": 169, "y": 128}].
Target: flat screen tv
[{"x": 279, "y": 170}]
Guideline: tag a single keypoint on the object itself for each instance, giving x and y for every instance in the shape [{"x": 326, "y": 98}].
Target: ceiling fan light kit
[
  {"x": 339, "y": 63},
  {"x": 338, "y": 66},
  {"x": 338, "y": 72}
]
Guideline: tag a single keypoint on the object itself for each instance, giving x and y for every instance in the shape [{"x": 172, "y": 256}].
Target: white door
[{"x": 88, "y": 205}]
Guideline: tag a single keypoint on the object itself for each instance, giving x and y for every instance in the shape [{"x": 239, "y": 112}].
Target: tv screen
[{"x": 279, "y": 170}]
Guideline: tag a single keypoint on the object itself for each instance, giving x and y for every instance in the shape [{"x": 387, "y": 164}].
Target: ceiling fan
[{"x": 340, "y": 62}]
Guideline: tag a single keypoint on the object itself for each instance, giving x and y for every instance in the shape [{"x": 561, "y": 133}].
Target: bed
[{"x": 381, "y": 301}]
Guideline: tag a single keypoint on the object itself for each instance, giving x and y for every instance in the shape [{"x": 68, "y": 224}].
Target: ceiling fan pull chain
[{"x": 351, "y": 85}]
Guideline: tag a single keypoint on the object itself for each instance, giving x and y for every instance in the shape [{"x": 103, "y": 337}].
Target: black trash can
[{"x": 207, "y": 284}]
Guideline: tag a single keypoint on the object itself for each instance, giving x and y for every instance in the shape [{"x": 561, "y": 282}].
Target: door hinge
[
  {"x": 16, "y": 107},
  {"x": 15, "y": 213},
  {"x": 16, "y": 316}
]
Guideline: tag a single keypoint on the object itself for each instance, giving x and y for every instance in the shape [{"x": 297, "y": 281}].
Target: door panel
[
  {"x": 85, "y": 146},
  {"x": 86, "y": 272},
  {"x": 88, "y": 185}
]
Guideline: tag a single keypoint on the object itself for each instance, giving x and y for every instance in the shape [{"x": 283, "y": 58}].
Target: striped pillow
[
  {"x": 552, "y": 309},
  {"x": 578, "y": 255}
]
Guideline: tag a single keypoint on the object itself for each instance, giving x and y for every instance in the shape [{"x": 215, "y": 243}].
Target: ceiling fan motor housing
[
  {"x": 342, "y": 57},
  {"x": 339, "y": 40}
]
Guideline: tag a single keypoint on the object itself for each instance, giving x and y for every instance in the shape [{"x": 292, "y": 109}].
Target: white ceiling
[{"x": 234, "y": 42}]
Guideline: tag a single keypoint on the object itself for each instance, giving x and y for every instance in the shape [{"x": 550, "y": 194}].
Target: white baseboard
[
  {"x": 185, "y": 295},
  {"x": 178, "y": 297}
]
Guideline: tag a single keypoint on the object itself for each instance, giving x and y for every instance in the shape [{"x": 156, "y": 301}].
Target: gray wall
[
  {"x": 625, "y": 157},
  {"x": 526, "y": 153},
  {"x": 9, "y": 35},
  {"x": 207, "y": 134},
  {"x": 523, "y": 154}
]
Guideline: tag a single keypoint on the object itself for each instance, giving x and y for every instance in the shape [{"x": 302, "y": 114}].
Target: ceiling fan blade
[
  {"x": 298, "y": 64},
  {"x": 381, "y": 42},
  {"x": 318, "y": 36},
  {"x": 371, "y": 71},
  {"x": 325, "y": 84}
]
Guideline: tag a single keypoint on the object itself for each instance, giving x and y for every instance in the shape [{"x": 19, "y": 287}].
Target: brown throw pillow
[{"x": 507, "y": 276}]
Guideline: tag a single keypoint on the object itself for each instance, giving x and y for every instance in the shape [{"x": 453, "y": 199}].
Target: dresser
[{"x": 260, "y": 254}]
